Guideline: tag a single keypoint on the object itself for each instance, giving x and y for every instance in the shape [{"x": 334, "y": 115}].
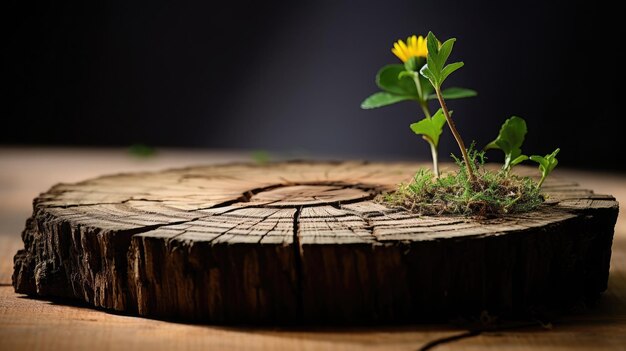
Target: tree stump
[{"x": 304, "y": 242}]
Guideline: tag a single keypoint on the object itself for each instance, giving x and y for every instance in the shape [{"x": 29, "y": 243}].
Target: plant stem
[
  {"x": 422, "y": 99},
  {"x": 418, "y": 85},
  {"x": 543, "y": 177},
  {"x": 425, "y": 109},
  {"x": 457, "y": 136},
  {"x": 424, "y": 105},
  {"x": 433, "y": 151}
]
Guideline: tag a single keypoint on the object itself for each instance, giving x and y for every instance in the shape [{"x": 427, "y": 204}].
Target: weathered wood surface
[
  {"x": 298, "y": 242},
  {"x": 35, "y": 324}
]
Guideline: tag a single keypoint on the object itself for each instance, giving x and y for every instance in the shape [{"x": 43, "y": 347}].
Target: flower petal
[{"x": 399, "y": 51}]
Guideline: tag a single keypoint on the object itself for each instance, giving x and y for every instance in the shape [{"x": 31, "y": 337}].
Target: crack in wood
[{"x": 297, "y": 252}]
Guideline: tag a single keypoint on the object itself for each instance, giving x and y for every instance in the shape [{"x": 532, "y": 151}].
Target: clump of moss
[{"x": 493, "y": 193}]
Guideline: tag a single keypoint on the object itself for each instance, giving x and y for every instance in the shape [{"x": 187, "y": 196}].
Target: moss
[{"x": 494, "y": 192}]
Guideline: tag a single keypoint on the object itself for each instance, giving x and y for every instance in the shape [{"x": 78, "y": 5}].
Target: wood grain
[
  {"x": 31, "y": 324},
  {"x": 304, "y": 242}
]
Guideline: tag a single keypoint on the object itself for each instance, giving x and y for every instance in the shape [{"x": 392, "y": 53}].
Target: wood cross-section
[{"x": 305, "y": 242}]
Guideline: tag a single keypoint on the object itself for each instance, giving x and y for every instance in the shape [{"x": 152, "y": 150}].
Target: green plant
[
  {"x": 404, "y": 83},
  {"x": 261, "y": 157},
  {"x": 142, "y": 150},
  {"x": 436, "y": 71},
  {"x": 546, "y": 164},
  {"x": 472, "y": 189},
  {"x": 430, "y": 129},
  {"x": 510, "y": 141}
]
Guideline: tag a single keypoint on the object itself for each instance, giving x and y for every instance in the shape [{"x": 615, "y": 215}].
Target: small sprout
[
  {"x": 403, "y": 82},
  {"x": 546, "y": 164},
  {"x": 472, "y": 189},
  {"x": 436, "y": 71},
  {"x": 430, "y": 129},
  {"x": 141, "y": 150},
  {"x": 519, "y": 159},
  {"x": 510, "y": 141},
  {"x": 261, "y": 157}
]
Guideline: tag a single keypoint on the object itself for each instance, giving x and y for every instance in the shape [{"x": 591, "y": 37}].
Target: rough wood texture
[{"x": 301, "y": 242}]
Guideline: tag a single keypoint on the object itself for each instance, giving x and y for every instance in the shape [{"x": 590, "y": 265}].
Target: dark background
[{"x": 289, "y": 76}]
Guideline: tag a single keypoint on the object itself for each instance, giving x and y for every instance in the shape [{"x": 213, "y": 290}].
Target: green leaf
[
  {"x": 436, "y": 69},
  {"x": 454, "y": 93},
  {"x": 445, "y": 50},
  {"x": 449, "y": 69},
  {"x": 430, "y": 128},
  {"x": 406, "y": 74},
  {"x": 383, "y": 98},
  {"x": 543, "y": 163},
  {"x": 432, "y": 44},
  {"x": 550, "y": 161},
  {"x": 546, "y": 163},
  {"x": 512, "y": 134},
  {"x": 519, "y": 159},
  {"x": 510, "y": 140},
  {"x": 389, "y": 80},
  {"x": 427, "y": 73}
]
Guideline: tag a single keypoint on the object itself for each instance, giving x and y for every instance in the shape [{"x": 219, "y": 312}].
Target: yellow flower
[{"x": 414, "y": 47}]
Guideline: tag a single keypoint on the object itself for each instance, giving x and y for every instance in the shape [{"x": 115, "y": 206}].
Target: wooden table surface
[{"x": 29, "y": 324}]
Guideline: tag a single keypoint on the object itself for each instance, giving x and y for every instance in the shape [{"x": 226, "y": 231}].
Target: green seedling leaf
[
  {"x": 449, "y": 69},
  {"x": 427, "y": 73},
  {"x": 430, "y": 128},
  {"x": 519, "y": 159},
  {"x": 141, "y": 150},
  {"x": 382, "y": 98},
  {"x": 453, "y": 93},
  {"x": 388, "y": 79},
  {"x": 444, "y": 51},
  {"x": 510, "y": 140},
  {"x": 435, "y": 69},
  {"x": 261, "y": 157},
  {"x": 546, "y": 163},
  {"x": 432, "y": 43}
]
